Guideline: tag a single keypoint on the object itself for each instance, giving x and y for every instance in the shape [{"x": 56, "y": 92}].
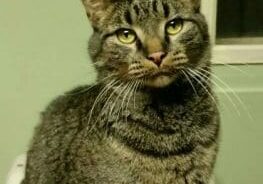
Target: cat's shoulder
[{"x": 77, "y": 99}]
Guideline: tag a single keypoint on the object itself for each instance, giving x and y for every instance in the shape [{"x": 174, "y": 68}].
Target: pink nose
[{"x": 157, "y": 57}]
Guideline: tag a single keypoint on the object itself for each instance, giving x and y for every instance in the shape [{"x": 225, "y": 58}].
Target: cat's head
[{"x": 151, "y": 41}]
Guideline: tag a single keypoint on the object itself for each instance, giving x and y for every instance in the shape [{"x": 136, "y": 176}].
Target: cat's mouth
[
  {"x": 159, "y": 80},
  {"x": 153, "y": 76},
  {"x": 159, "y": 73}
]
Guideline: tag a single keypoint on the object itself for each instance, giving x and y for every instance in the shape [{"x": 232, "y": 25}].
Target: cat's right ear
[
  {"x": 196, "y": 5},
  {"x": 95, "y": 10}
]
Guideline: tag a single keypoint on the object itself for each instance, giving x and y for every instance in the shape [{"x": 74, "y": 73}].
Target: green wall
[
  {"x": 240, "y": 160},
  {"x": 43, "y": 53}
]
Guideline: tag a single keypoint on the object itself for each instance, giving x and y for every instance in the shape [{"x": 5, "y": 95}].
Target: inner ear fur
[
  {"x": 95, "y": 9},
  {"x": 196, "y": 5}
]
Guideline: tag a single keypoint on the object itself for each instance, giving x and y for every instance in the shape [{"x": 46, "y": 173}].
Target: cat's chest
[{"x": 147, "y": 169}]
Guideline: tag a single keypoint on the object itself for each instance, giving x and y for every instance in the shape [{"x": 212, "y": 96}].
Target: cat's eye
[
  {"x": 126, "y": 36},
  {"x": 174, "y": 27}
]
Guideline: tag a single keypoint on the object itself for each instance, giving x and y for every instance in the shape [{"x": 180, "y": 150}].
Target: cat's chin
[{"x": 159, "y": 82}]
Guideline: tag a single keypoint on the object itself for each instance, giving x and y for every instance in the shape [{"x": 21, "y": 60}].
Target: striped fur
[{"x": 142, "y": 122}]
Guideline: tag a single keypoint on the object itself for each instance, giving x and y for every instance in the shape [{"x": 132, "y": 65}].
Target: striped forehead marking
[{"x": 139, "y": 9}]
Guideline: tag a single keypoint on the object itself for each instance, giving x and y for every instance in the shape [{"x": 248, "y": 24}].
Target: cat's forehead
[
  {"x": 146, "y": 14},
  {"x": 151, "y": 9}
]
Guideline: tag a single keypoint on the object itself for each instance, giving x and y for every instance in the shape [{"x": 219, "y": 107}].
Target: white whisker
[
  {"x": 192, "y": 74},
  {"x": 217, "y": 85},
  {"x": 133, "y": 87},
  {"x": 134, "y": 95},
  {"x": 126, "y": 92},
  {"x": 117, "y": 98},
  {"x": 105, "y": 106},
  {"x": 123, "y": 86},
  {"x": 235, "y": 68},
  {"x": 231, "y": 91},
  {"x": 99, "y": 97},
  {"x": 90, "y": 87},
  {"x": 190, "y": 81}
]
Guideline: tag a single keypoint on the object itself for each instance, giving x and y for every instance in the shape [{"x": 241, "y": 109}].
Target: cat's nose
[{"x": 157, "y": 57}]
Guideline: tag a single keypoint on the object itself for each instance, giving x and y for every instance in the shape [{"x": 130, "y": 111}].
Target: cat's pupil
[
  {"x": 126, "y": 33},
  {"x": 173, "y": 23}
]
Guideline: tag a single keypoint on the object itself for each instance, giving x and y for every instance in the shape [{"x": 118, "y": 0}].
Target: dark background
[{"x": 240, "y": 18}]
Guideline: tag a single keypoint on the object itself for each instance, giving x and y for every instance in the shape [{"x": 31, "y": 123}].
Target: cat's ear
[
  {"x": 95, "y": 9},
  {"x": 196, "y": 5}
]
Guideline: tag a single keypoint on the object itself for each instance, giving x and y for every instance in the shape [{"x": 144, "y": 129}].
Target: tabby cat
[{"x": 151, "y": 116}]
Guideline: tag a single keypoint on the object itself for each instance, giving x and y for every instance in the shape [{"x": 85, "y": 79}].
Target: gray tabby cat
[{"x": 151, "y": 118}]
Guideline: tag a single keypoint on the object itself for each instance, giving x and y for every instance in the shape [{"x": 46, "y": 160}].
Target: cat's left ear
[
  {"x": 96, "y": 9},
  {"x": 196, "y": 5}
]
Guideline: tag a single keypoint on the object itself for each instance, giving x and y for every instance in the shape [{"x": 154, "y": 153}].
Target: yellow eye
[
  {"x": 126, "y": 36},
  {"x": 174, "y": 27}
]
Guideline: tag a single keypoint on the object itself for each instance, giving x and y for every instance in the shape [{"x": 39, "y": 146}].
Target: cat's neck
[
  {"x": 155, "y": 119},
  {"x": 177, "y": 92}
]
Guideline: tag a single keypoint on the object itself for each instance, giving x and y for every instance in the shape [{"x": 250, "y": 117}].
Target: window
[{"x": 236, "y": 28}]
